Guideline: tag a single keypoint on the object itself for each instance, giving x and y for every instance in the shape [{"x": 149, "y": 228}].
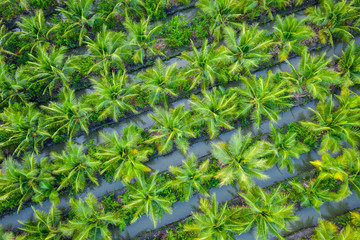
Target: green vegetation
[{"x": 154, "y": 110}]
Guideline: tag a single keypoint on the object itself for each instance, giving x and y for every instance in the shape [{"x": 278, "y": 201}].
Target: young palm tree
[
  {"x": 216, "y": 109},
  {"x": 75, "y": 167},
  {"x": 349, "y": 64},
  {"x": 161, "y": 81},
  {"x": 190, "y": 177},
  {"x": 269, "y": 212},
  {"x": 6, "y": 235},
  {"x": 326, "y": 230},
  {"x": 124, "y": 155},
  {"x": 312, "y": 75},
  {"x": 113, "y": 95},
  {"x": 46, "y": 227},
  {"x": 204, "y": 65},
  {"x": 78, "y": 15},
  {"x": 267, "y": 5},
  {"x": 71, "y": 114},
  {"x": 223, "y": 13},
  {"x": 289, "y": 32},
  {"x": 262, "y": 97},
  {"x": 247, "y": 50},
  {"x": 312, "y": 194},
  {"x": 334, "y": 17},
  {"x": 142, "y": 39},
  {"x": 285, "y": 147},
  {"x": 50, "y": 68},
  {"x": 335, "y": 126},
  {"x": 128, "y": 8},
  {"x": 35, "y": 29},
  {"x": 145, "y": 197},
  {"x": 31, "y": 179},
  {"x": 26, "y": 128},
  {"x": 90, "y": 220},
  {"x": 172, "y": 126},
  {"x": 107, "y": 49},
  {"x": 12, "y": 86},
  {"x": 242, "y": 159},
  {"x": 215, "y": 222},
  {"x": 344, "y": 168}
]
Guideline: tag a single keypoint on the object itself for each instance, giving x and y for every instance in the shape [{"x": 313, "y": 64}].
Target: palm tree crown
[
  {"x": 247, "y": 50},
  {"x": 90, "y": 220},
  {"x": 241, "y": 159},
  {"x": 75, "y": 166},
  {"x": 124, "y": 155},
  {"x": 113, "y": 95},
  {"x": 172, "y": 126},
  {"x": 268, "y": 212},
  {"x": 189, "y": 177},
  {"x": 215, "y": 222},
  {"x": 216, "y": 109},
  {"x": 145, "y": 197}
]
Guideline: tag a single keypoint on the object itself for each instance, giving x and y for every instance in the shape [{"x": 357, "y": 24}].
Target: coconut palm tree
[
  {"x": 46, "y": 227},
  {"x": 215, "y": 109},
  {"x": 128, "y": 8},
  {"x": 247, "y": 50},
  {"x": 6, "y": 235},
  {"x": 31, "y": 179},
  {"x": 205, "y": 65},
  {"x": 71, "y": 114},
  {"x": 35, "y": 29},
  {"x": 90, "y": 220},
  {"x": 123, "y": 156},
  {"x": 269, "y": 212},
  {"x": 289, "y": 32},
  {"x": 285, "y": 147},
  {"x": 344, "y": 168},
  {"x": 145, "y": 197},
  {"x": 113, "y": 95},
  {"x": 311, "y": 194},
  {"x": 142, "y": 39},
  {"x": 262, "y": 97},
  {"x": 312, "y": 75},
  {"x": 12, "y": 86},
  {"x": 241, "y": 160},
  {"x": 327, "y": 230},
  {"x": 160, "y": 82},
  {"x": 335, "y": 126},
  {"x": 349, "y": 64},
  {"x": 79, "y": 15},
  {"x": 172, "y": 126},
  {"x": 223, "y": 13},
  {"x": 75, "y": 167},
  {"x": 190, "y": 177},
  {"x": 25, "y": 127},
  {"x": 215, "y": 221},
  {"x": 333, "y": 17},
  {"x": 50, "y": 69},
  {"x": 108, "y": 50},
  {"x": 268, "y": 5}
]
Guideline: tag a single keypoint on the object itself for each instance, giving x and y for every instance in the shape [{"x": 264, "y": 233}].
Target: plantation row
[{"x": 26, "y": 127}]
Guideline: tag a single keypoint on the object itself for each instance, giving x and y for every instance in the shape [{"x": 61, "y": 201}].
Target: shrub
[{"x": 177, "y": 32}]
